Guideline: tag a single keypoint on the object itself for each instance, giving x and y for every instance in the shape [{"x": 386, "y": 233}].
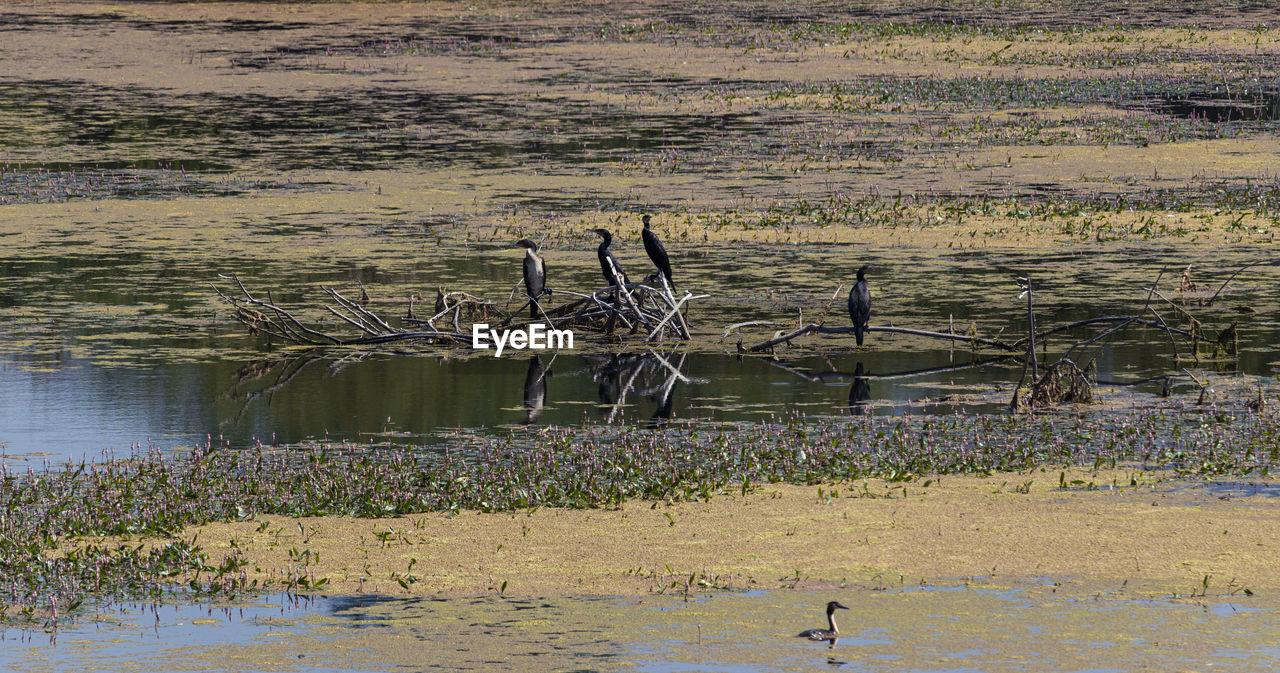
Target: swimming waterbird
[{"x": 831, "y": 631}]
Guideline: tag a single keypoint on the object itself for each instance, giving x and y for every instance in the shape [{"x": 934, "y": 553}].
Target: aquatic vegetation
[
  {"x": 366, "y": 144},
  {"x": 81, "y": 530}
]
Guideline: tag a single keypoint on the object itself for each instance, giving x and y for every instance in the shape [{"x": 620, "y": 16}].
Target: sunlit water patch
[
  {"x": 78, "y": 412},
  {"x": 1045, "y": 626}
]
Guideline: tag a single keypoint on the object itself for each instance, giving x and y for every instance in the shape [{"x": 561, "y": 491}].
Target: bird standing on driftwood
[
  {"x": 535, "y": 274},
  {"x": 657, "y": 252},
  {"x": 609, "y": 266},
  {"x": 860, "y": 305}
]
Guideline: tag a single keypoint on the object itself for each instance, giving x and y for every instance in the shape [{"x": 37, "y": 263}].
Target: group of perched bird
[
  {"x": 535, "y": 284},
  {"x": 535, "y": 274}
]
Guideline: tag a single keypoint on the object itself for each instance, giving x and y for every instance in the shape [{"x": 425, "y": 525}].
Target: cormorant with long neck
[
  {"x": 609, "y": 266},
  {"x": 860, "y": 305},
  {"x": 656, "y": 251},
  {"x": 829, "y": 633},
  {"x": 535, "y": 274}
]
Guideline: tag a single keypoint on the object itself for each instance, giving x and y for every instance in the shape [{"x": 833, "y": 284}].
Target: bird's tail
[{"x": 857, "y": 334}]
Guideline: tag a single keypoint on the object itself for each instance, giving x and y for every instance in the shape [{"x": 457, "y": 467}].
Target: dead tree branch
[{"x": 1210, "y": 300}]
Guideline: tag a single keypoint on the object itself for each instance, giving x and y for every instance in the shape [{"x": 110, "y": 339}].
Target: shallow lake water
[
  {"x": 194, "y": 142},
  {"x": 92, "y": 366},
  {"x": 984, "y": 626}
]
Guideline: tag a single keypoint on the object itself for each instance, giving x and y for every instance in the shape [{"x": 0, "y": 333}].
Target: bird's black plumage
[
  {"x": 609, "y": 266},
  {"x": 535, "y": 273},
  {"x": 656, "y": 251},
  {"x": 860, "y": 305},
  {"x": 829, "y": 633}
]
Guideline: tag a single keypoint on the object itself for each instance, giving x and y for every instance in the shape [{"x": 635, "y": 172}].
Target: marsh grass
[
  {"x": 788, "y": 120},
  {"x": 112, "y": 530}
]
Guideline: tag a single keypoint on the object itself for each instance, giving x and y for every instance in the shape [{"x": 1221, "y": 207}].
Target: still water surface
[
  {"x": 107, "y": 354},
  {"x": 1041, "y": 626}
]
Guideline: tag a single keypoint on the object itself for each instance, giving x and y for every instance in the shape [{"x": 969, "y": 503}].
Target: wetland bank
[{"x": 155, "y": 452}]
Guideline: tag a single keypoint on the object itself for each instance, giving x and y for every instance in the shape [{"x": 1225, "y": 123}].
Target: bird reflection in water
[
  {"x": 860, "y": 392},
  {"x": 535, "y": 389},
  {"x": 649, "y": 374},
  {"x": 614, "y": 376}
]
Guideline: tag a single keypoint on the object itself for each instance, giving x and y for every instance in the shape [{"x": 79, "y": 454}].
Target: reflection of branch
[
  {"x": 821, "y": 329},
  {"x": 292, "y": 367},
  {"x": 674, "y": 372},
  {"x": 943, "y": 369},
  {"x": 622, "y": 394},
  {"x": 1095, "y": 321},
  {"x": 1224, "y": 285},
  {"x": 815, "y": 377}
]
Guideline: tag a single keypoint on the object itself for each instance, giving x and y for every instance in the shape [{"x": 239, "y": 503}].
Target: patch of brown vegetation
[{"x": 1164, "y": 533}]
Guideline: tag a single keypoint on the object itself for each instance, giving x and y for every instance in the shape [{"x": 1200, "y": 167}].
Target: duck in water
[{"x": 829, "y": 633}]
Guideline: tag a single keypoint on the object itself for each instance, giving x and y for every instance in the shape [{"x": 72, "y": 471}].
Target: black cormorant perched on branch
[
  {"x": 609, "y": 266},
  {"x": 829, "y": 633},
  {"x": 535, "y": 274},
  {"x": 657, "y": 253},
  {"x": 860, "y": 305}
]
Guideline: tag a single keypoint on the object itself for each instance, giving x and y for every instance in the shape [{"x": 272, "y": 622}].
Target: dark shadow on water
[
  {"x": 1222, "y": 107},
  {"x": 349, "y": 130}
]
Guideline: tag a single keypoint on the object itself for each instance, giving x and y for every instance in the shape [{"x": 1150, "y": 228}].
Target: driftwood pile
[
  {"x": 650, "y": 308},
  {"x": 640, "y": 307}
]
